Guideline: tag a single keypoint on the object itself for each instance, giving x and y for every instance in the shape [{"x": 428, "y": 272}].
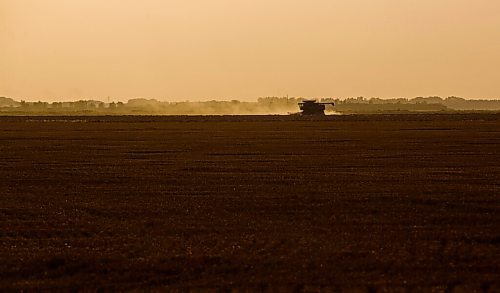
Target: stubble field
[{"x": 364, "y": 203}]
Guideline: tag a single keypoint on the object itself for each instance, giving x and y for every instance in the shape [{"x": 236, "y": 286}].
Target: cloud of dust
[{"x": 264, "y": 106}]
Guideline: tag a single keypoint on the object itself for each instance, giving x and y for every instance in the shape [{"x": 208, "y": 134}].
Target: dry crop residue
[{"x": 278, "y": 203}]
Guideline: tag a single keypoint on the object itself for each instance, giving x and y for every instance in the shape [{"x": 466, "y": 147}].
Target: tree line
[{"x": 263, "y": 106}]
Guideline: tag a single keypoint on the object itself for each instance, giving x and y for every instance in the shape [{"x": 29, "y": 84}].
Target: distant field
[{"x": 251, "y": 202}]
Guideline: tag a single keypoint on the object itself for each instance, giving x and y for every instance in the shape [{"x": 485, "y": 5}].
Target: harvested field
[{"x": 368, "y": 203}]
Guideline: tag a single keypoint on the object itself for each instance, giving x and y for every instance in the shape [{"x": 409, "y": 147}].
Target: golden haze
[{"x": 226, "y": 49}]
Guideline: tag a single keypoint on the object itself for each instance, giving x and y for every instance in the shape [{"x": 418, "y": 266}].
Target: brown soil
[{"x": 365, "y": 203}]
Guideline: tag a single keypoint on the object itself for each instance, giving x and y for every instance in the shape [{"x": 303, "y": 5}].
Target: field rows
[{"x": 251, "y": 202}]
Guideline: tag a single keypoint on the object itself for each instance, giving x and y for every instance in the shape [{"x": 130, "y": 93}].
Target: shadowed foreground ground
[{"x": 280, "y": 203}]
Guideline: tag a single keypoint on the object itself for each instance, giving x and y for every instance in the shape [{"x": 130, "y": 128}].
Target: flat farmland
[{"x": 256, "y": 203}]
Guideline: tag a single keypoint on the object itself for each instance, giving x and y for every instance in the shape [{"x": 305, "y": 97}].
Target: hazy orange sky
[{"x": 227, "y": 49}]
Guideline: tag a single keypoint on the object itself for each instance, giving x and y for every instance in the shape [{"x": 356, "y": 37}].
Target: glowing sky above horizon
[{"x": 226, "y": 49}]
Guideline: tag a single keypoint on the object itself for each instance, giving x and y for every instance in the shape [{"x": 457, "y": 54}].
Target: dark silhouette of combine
[{"x": 312, "y": 107}]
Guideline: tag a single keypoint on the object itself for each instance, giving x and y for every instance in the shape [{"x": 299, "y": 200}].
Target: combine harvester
[{"x": 312, "y": 107}]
